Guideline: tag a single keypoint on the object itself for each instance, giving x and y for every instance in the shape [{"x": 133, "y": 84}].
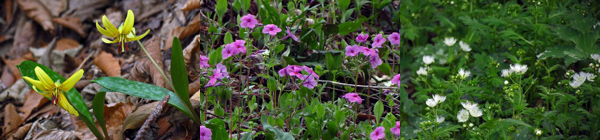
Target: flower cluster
[
  {"x": 309, "y": 80},
  {"x": 469, "y": 108},
  {"x": 580, "y": 78},
  {"x": 374, "y": 59},
  {"x": 435, "y": 100},
  {"x": 450, "y": 41},
  {"x": 423, "y": 70},
  {"x": 204, "y": 61},
  {"x": 514, "y": 69},
  {"x": 218, "y": 74},
  {"x": 233, "y": 48}
]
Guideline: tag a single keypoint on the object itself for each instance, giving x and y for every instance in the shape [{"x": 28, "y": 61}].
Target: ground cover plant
[{"x": 300, "y": 69}]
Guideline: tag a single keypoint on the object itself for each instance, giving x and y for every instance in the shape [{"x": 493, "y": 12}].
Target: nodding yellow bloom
[
  {"x": 54, "y": 90},
  {"x": 125, "y": 33}
]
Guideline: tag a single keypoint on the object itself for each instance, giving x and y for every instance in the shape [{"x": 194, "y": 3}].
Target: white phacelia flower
[
  {"x": 439, "y": 119},
  {"x": 464, "y": 46},
  {"x": 439, "y": 98},
  {"x": 578, "y": 80},
  {"x": 518, "y": 68},
  {"x": 431, "y": 102},
  {"x": 422, "y": 71},
  {"x": 538, "y": 132},
  {"x": 428, "y": 59},
  {"x": 463, "y": 115},
  {"x": 462, "y": 73},
  {"x": 449, "y": 41}
]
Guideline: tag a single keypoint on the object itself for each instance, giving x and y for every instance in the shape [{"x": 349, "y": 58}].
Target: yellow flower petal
[
  {"x": 45, "y": 80},
  {"x": 109, "y": 26},
  {"x": 67, "y": 85},
  {"x": 129, "y": 20},
  {"x": 64, "y": 103},
  {"x": 109, "y": 41},
  {"x": 138, "y": 37},
  {"x": 37, "y": 85},
  {"x": 103, "y": 31}
]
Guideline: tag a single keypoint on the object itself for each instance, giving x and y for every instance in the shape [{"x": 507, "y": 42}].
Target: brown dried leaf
[
  {"x": 13, "y": 66},
  {"x": 71, "y": 63},
  {"x": 144, "y": 66},
  {"x": 55, "y": 134},
  {"x": 36, "y": 10},
  {"x": 73, "y": 23},
  {"x": 33, "y": 101},
  {"x": 22, "y": 131},
  {"x": 192, "y": 4},
  {"x": 194, "y": 27},
  {"x": 108, "y": 64},
  {"x": 137, "y": 118},
  {"x": 66, "y": 44},
  {"x": 191, "y": 57},
  {"x": 55, "y": 6},
  {"x": 8, "y": 10},
  {"x": 23, "y": 39},
  {"x": 116, "y": 116},
  {"x": 7, "y": 78},
  {"x": 12, "y": 120}
]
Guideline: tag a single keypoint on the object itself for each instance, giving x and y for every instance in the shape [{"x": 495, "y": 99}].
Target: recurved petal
[
  {"x": 64, "y": 103},
  {"x": 129, "y": 20},
  {"x": 67, "y": 85},
  {"x": 45, "y": 80},
  {"x": 109, "y": 26},
  {"x": 37, "y": 85},
  {"x": 104, "y": 31},
  {"x": 138, "y": 37},
  {"x": 109, "y": 41}
]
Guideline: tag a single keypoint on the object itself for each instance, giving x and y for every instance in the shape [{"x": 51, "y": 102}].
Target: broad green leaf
[
  {"x": 378, "y": 111},
  {"x": 350, "y": 26},
  {"x": 217, "y": 127},
  {"x": 385, "y": 68},
  {"x": 221, "y": 8},
  {"x": 272, "y": 84},
  {"x": 98, "y": 107},
  {"x": 215, "y": 56},
  {"x": 280, "y": 135},
  {"x": 516, "y": 122},
  {"x": 27, "y": 69},
  {"x": 142, "y": 90},
  {"x": 228, "y": 39},
  {"x": 179, "y": 75},
  {"x": 247, "y": 136}
]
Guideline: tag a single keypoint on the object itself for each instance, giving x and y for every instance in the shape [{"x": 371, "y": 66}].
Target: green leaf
[
  {"x": 516, "y": 122},
  {"x": 378, "y": 110},
  {"x": 217, "y": 127},
  {"x": 98, "y": 106},
  {"x": 280, "y": 135},
  {"x": 221, "y": 8},
  {"x": 272, "y": 84},
  {"x": 247, "y": 136},
  {"x": 350, "y": 26},
  {"x": 27, "y": 69},
  {"x": 179, "y": 75},
  {"x": 385, "y": 68},
  {"x": 228, "y": 39},
  {"x": 142, "y": 90},
  {"x": 329, "y": 29},
  {"x": 330, "y": 62},
  {"x": 215, "y": 56}
]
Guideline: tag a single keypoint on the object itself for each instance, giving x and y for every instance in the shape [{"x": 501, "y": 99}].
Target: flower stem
[{"x": 157, "y": 67}]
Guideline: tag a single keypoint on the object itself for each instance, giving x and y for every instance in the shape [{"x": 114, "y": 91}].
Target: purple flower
[
  {"x": 375, "y": 60},
  {"x": 213, "y": 79},
  {"x": 283, "y": 72},
  {"x": 271, "y": 29},
  {"x": 378, "y": 41},
  {"x": 290, "y": 35},
  {"x": 362, "y": 37},
  {"x": 367, "y": 52},
  {"x": 204, "y": 62},
  {"x": 309, "y": 81},
  {"x": 353, "y": 98},
  {"x": 352, "y": 50},
  {"x": 221, "y": 69},
  {"x": 378, "y": 133},
  {"x": 248, "y": 21},
  {"x": 310, "y": 71},
  {"x": 294, "y": 70},
  {"x": 394, "y": 38},
  {"x": 396, "y": 79},
  {"x": 205, "y": 133},
  {"x": 239, "y": 44},
  {"x": 230, "y": 50},
  {"x": 396, "y": 130}
]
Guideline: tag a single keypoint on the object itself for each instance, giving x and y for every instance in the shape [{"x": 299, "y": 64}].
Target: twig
[
  {"x": 144, "y": 132},
  {"x": 86, "y": 59},
  {"x": 362, "y": 86}
]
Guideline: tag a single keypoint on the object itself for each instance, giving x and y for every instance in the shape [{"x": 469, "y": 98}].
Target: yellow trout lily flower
[
  {"x": 54, "y": 90},
  {"x": 125, "y": 33}
]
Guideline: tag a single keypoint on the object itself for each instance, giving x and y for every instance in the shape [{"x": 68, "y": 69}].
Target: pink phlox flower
[
  {"x": 378, "y": 133},
  {"x": 271, "y": 29},
  {"x": 283, "y": 72},
  {"x": 229, "y": 50},
  {"x": 205, "y": 133},
  {"x": 309, "y": 81},
  {"x": 396, "y": 79},
  {"x": 290, "y": 35},
  {"x": 375, "y": 60},
  {"x": 352, "y": 50},
  {"x": 310, "y": 72},
  {"x": 396, "y": 130},
  {"x": 362, "y": 37},
  {"x": 213, "y": 79},
  {"x": 378, "y": 41},
  {"x": 221, "y": 69},
  {"x": 248, "y": 21},
  {"x": 353, "y": 98},
  {"x": 239, "y": 44},
  {"x": 204, "y": 62},
  {"x": 394, "y": 38},
  {"x": 367, "y": 51},
  {"x": 294, "y": 70}
]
